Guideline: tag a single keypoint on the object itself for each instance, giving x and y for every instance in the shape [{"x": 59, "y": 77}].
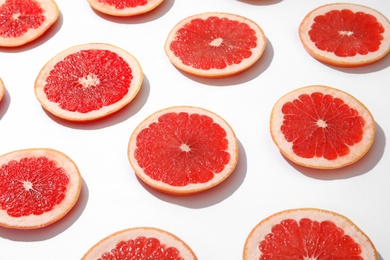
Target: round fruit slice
[
  {"x": 124, "y": 7},
  {"x": 345, "y": 35},
  {"x": 140, "y": 243},
  {"x": 183, "y": 150},
  {"x": 322, "y": 127},
  {"x": 88, "y": 82},
  {"x": 2, "y": 89},
  {"x": 23, "y": 21},
  {"x": 308, "y": 234},
  {"x": 215, "y": 44},
  {"x": 38, "y": 187}
]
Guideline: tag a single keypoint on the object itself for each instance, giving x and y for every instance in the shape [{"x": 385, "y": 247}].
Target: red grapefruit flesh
[
  {"x": 308, "y": 233},
  {"x": 23, "y": 21},
  {"x": 345, "y": 35},
  {"x": 88, "y": 82},
  {"x": 124, "y": 7},
  {"x": 141, "y": 243},
  {"x": 183, "y": 150},
  {"x": 2, "y": 89},
  {"x": 38, "y": 187},
  {"x": 322, "y": 127},
  {"x": 215, "y": 44}
]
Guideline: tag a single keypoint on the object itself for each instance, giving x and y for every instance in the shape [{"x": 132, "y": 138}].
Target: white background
[{"x": 215, "y": 223}]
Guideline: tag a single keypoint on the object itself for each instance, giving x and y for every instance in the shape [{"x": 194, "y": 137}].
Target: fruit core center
[
  {"x": 309, "y": 258},
  {"x": 185, "y": 148},
  {"x": 321, "y": 123},
  {"x": 27, "y": 185},
  {"x": 89, "y": 80},
  {"x": 216, "y": 42},
  {"x": 345, "y": 33},
  {"x": 16, "y": 16}
]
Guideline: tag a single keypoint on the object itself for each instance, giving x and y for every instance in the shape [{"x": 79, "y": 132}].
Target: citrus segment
[
  {"x": 88, "y": 82},
  {"x": 141, "y": 243},
  {"x": 23, "y": 21},
  {"x": 38, "y": 187},
  {"x": 308, "y": 233},
  {"x": 183, "y": 150},
  {"x": 215, "y": 44},
  {"x": 322, "y": 127},
  {"x": 124, "y": 8},
  {"x": 346, "y": 35}
]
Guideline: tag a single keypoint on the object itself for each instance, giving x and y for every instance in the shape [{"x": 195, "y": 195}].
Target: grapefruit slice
[
  {"x": 23, "y": 21},
  {"x": 321, "y": 127},
  {"x": 215, "y": 44},
  {"x": 308, "y": 233},
  {"x": 183, "y": 150},
  {"x": 38, "y": 187},
  {"x": 345, "y": 35},
  {"x": 124, "y": 8},
  {"x": 87, "y": 82},
  {"x": 2, "y": 89},
  {"x": 140, "y": 243}
]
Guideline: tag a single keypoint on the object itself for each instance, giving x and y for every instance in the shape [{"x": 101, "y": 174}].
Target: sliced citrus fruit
[
  {"x": 124, "y": 7},
  {"x": 141, "y": 243},
  {"x": 23, "y": 21},
  {"x": 321, "y": 127},
  {"x": 345, "y": 35},
  {"x": 38, "y": 187},
  {"x": 183, "y": 150},
  {"x": 88, "y": 82},
  {"x": 215, "y": 44},
  {"x": 2, "y": 89},
  {"x": 308, "y": 233}
]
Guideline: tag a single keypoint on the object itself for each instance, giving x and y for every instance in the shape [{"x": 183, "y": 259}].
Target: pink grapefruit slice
[
  {"x": 140, "y": 243},
  {"x": 88, "y": 82},
  {"x": 345, "y": 35},
  {"x": 23, "y": 21},
  {"x": 308, "y": 233},
  {"x": 183, "y": 150},
  {"x": 124, "y": 7},
  {"x": 38, "y": 187},
  {"x": 321, "y": 127},
  {"x": 215, "y": 44},
  {"x": 2, "y": 89}
]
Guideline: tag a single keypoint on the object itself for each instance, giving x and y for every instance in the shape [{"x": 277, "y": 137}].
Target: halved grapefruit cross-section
[
  {"x": 183, "y": 150},
  {"x": 321, "y": 127},
  {"x": 140, "y": 243},
  {"x": 345, "y": 35},
  {"x": 124, "y": 7},
  {"x": 87, "y": 82},
  {"x": 38, "y": 187},
  {"x": 22, "y": 21},
  {"x": 215, "y": 44},
  {"x": 308, "y": 233}
]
